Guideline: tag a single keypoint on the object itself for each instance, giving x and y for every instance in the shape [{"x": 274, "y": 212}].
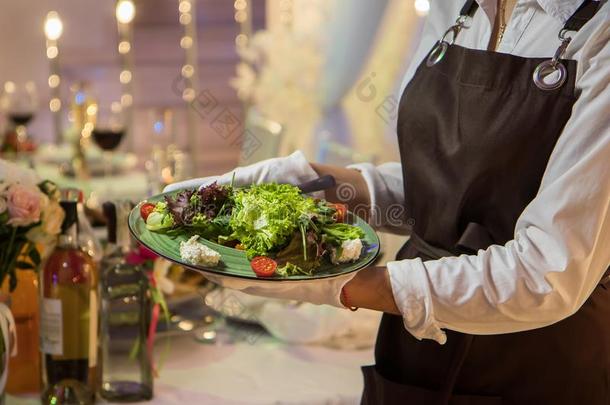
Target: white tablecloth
[{"x": 262, "y": 372}]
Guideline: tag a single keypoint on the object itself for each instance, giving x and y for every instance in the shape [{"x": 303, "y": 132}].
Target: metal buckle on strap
[
  {"x": 439, "y": 50},
  {"x": 545, "y": 69}
]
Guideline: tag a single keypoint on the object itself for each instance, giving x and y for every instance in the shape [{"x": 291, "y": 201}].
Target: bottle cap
[{"x": 68, "y": 201}]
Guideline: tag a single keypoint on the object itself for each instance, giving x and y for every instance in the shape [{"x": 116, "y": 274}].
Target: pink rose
[{"x": 23, "y": 204}]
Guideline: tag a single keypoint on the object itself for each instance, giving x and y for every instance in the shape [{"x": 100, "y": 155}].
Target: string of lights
[
  {"x": 243, "y": 16},
  {"x": 188, "y": 72},
  {"x": 53, "y": 29},
  {"x": 125, "y": 13}
]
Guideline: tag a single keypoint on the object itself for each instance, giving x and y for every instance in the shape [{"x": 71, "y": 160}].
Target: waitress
[{"x": 501, "y": 295}]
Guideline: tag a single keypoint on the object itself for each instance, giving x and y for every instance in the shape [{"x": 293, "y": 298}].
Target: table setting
[
  {"x": 102, "y": 119},
  {"x": 200, "y": 329}
]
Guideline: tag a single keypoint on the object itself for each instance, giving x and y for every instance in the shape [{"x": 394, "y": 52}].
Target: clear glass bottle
[
  {"x": 126, "y": 367},
  {"x": 68, "y": 316}
]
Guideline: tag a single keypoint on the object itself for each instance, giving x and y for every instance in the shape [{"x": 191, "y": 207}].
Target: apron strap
[
  {"x": 469, "y": 8},
  {"x": 582, "y": 15}
]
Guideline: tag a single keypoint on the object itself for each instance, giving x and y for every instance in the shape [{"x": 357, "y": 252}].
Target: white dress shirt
[{"x": 561, "y": 244}]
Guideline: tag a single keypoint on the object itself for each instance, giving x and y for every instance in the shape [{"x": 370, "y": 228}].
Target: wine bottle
[
  {"x": 125, "y": 358},
  {"x": 69, "y": 316}
]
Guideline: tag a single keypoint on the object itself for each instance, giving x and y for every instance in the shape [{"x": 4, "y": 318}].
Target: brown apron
[{"x": 475, "y": 134}]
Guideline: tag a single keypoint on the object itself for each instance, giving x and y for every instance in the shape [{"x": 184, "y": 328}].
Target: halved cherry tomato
[
  {"x": 263, "y": 266},
  {"x": 146, "y": 209},
  {"x": 340, "y": 211}
]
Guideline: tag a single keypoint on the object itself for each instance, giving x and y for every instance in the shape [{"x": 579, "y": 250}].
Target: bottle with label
[
  {"x": 68, "y": 331},
  {"x": 125, "y": 317}
]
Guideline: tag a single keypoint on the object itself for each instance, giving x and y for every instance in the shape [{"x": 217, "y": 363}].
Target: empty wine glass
[
  {"x": 108, "y": 131},
  {"x": 19, "y": 103}
]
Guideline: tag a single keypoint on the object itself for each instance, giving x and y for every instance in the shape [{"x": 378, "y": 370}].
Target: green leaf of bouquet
[{"x": 34, "y": 255}]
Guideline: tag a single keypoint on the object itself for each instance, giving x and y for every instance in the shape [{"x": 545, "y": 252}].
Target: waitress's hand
[{"x": 293, "y": 169}]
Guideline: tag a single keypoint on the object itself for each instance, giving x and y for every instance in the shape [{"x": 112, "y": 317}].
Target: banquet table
[
  {"x": 254, "y": 371},
  {"x": 131, "y": 185}
]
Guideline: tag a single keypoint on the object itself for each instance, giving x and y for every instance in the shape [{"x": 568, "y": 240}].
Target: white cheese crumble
[
  {"x": 350, "y": 251},
  {"x": 196, "y": 253}
]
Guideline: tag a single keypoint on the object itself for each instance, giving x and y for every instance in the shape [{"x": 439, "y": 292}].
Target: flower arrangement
[
  {"x": 30, "y": 219},
  {"x": 279, "y": 75}
]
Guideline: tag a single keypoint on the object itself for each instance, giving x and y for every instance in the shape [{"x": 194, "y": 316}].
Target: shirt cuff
[{"x": 412, "y": 295}]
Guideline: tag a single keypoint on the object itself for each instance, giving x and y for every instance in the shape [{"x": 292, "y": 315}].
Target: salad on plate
[{"x": 281, "y": 231}]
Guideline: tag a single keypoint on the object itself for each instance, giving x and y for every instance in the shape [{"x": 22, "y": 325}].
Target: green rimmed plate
[{"x": 233, "y": 263}]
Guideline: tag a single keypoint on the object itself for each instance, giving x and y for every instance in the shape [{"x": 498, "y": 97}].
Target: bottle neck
[{"x": 69, "y": 238}]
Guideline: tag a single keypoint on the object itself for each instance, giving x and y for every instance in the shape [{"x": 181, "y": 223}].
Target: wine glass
[
  {"x": 19, "y": 102},
  {"x": 108, "y": 131}
]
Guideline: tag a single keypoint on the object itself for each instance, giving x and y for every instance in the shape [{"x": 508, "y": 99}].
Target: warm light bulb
[
  {"x": 9, "y": 87},
  {"x": 124, "y": 47},
  {"x": 188, "y": 71},
  {"x": 186, "y": 42},
  {"x": 422, "y": 7},
  {"x": 185, "y": 6},
  {"x": 54, "y": 81},
  {"x": 55, "y": 105},
  {"x": 126, "y": 100},
  {"x": 52, "y": 52},
  {"x": 125, "y": 11},
  {"x": 125, "y": 77},
  {"x": 185, "y": 18},
  {"x": 53, "y": 27}
]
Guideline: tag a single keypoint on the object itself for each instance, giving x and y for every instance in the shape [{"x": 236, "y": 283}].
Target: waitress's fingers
[{"x": 192, "y": 183}]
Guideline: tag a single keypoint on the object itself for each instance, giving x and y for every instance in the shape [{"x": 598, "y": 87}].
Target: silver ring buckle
[
  {"x": 438, "y": 52},
  {"x": 546, "y": 68}
]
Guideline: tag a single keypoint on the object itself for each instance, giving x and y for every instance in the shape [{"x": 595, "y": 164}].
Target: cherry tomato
[
  {"x": 146, "y": 209},
  {"x": 341, "y": 211},
  {"x": 263, "y": 266}
]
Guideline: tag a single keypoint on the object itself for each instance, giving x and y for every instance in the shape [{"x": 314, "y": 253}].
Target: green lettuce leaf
[{"x": 265, "y": 217}]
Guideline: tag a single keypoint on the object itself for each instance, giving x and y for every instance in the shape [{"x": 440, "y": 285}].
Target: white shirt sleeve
[
  {"x": 561, "y": 244},
  {"x": 387, "y": 197}
]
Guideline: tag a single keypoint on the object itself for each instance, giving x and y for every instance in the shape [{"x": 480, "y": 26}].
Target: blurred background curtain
[
  {"x": 352, "y": 31},
  {"x": 367, "y": 47}
]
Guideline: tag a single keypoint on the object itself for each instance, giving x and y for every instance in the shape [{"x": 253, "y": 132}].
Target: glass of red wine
[
  {"x": 108, "y": 132},
  {"x": 19, "y": 102}
]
